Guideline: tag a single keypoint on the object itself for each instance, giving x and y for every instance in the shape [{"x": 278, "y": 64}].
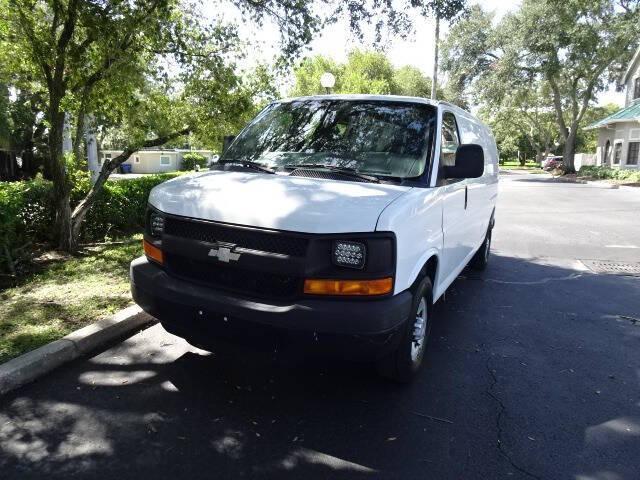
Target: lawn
[
  {"x": 65, "y": 294},
  {"x": 515, "y": 165}
]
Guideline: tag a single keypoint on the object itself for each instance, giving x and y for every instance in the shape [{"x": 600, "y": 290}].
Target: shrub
[
  {"x": 27, "y": 214},
  {"x": 191, "y": 159},
  {"x": 609, "y": 173}
]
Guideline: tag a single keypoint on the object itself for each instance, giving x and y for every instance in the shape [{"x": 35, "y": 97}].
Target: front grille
[
  {"x": 234, "y": 279},
  {"x": 272, "y": 242}
]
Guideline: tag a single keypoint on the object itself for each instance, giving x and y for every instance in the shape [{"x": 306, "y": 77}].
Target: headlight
[
  {"x": 349, "y": 254},
  {"x": 156, "y": 224}
]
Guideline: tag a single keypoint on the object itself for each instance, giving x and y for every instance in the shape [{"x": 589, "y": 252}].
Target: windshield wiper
[
  {"x": 349, "y": 172},
  {"x": 247, "y": 164}
]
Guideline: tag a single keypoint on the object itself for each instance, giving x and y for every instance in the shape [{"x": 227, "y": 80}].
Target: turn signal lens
[
  {"x": 152, "y": 252},
  {"x": 380, "y": 286}
]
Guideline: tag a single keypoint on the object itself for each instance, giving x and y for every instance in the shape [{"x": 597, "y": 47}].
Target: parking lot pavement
[{"x": 533, "y": 371}]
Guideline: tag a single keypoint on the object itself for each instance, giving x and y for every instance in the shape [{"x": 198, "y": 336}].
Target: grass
[
  {"x": 515, "y": 165},
  {"x": 67, "y": 293}
]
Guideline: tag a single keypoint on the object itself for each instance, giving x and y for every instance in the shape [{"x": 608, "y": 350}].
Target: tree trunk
[
  {"x": 539, "y": 156},
  {"x": 61, "y": 190},
  {"x": 81, "y": 210},
  {"x": 569, "y": 152},
  {"x": 434, "y": 78}
]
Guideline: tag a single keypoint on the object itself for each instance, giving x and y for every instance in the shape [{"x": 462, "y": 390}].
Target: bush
[
  {"x": 190, "y": 160},
  {"x": 609, "y": 173},
  {"x": 27, "y": 214}
]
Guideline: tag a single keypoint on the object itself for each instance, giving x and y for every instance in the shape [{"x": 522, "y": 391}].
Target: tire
[
  {"x": 402, "y": 364},
  {"x": 481, "y": 258}
]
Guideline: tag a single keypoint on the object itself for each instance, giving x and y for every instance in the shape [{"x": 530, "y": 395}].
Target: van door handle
[{"x": 466, "y": 196}]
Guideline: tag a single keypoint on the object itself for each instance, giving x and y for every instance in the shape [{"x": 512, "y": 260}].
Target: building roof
[
  {"x": 635, "y": 59},
  {"x": 628, "y": 114}
]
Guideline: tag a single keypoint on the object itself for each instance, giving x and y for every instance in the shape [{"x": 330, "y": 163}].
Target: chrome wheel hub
[{"x": 420, "y": 328}]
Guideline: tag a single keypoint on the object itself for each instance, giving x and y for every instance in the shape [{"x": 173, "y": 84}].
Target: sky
[{"x": 336, "y": 42}]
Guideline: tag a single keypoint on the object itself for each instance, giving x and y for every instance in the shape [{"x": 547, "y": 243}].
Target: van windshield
[{"x": 379, "y": 138}]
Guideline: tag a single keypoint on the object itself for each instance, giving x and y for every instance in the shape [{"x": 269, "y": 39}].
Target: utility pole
[
  {"x": 92, "y": 148},
  {"x": 434, "y": 77}
]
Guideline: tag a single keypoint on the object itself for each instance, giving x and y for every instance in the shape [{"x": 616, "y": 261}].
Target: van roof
[{"x": 381, "y": 98}]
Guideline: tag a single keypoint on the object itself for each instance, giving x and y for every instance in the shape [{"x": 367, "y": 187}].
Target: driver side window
[{"x": 450, "y": 140}]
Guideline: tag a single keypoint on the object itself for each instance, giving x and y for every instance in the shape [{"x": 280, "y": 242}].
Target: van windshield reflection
[{"x": 379, "y": 138}]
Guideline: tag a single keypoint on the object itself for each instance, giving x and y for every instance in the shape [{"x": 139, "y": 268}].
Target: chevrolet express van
[{"x": 331, "y": 222}]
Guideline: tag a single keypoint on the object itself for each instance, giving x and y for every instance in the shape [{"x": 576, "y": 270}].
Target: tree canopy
[
  {"x": 365, "y": 72},
  {"x": 558, "y": 55}
]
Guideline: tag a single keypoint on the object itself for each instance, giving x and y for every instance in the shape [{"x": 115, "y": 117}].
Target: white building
[
  {"x": 157, "y": 160},
  {"x": 619, "y": 134}
]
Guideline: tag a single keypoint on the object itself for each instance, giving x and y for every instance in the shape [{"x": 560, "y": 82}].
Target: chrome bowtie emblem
[{"x": 224, "y": 253}]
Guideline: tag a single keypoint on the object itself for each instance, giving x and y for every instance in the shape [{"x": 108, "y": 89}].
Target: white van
[{"x": 331, "y": 222}]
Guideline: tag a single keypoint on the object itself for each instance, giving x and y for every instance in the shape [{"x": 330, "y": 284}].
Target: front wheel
[{"x": 403, "y": 364}]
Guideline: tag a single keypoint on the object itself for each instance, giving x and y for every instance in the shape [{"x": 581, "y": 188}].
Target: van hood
[{"x": 278, "y": 202}]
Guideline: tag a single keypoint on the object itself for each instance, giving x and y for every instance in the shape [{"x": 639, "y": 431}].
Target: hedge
[
  {"x": 191, "y": 160},
  {"x": 27, "y": 214},
  {"x": 609, "y": 173}
]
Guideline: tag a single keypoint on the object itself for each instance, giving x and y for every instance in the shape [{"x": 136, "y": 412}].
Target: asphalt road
[{"x": 533, "y": 371}]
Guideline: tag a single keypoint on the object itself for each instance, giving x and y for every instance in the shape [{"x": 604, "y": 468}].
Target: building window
[
  {"x": 632, "y": 157},
  {"x": 636, "y": 89},
  {"x": 164, "y": 160},
  {"x": 136, "y": 159},
  {"x": 617, "y": 153},
  {"x": 607, "y": 152}
]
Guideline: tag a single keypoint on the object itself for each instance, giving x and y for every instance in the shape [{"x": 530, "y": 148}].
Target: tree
[
  {"x": 469, "y": 53},
  {"x": 365, "y": 72},
  {"x": 441, "y": 11},
  {"x": 86, "y": 57},
  {"x": 76, "y": 48},
  {"x": 575, "y": 47}
]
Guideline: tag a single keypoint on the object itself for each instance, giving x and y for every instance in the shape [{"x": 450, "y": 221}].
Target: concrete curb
[
  {"x": 606, "y": 185},
  {"x": 26, "y": 368}
]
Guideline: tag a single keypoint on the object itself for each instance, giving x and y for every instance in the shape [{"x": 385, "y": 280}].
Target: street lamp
[{"x": 327, "y": 80}]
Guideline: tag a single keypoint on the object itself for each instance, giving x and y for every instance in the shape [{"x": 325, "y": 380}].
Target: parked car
[
  {"x": 332, "y": 222},
  {"x": 552, "y": 162}
]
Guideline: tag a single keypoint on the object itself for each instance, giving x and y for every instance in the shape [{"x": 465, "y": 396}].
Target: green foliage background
[
  {"x": 26, "y": 212},
  {"x": 190, "y": 160},
  {"x": 364, "y": 72}
]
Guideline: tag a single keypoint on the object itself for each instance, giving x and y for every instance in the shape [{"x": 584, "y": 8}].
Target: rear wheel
[
  {"x": 402, "y": 364},
  {"x": 481, "y": 258}
]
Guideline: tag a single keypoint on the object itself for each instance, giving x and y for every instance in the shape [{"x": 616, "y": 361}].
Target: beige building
[
  {"x": 155, "y": 160},
  {"x": 619, "y": 134}
]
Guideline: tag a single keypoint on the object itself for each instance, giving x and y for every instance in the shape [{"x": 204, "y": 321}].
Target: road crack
[{"x": 501, "y": 411}]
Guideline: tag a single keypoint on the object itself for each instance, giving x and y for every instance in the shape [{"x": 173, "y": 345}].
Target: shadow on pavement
[{"x": 532, "y": 372}]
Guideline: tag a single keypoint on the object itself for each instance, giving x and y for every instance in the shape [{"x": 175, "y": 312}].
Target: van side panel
[{"x": 417, "y": 223}]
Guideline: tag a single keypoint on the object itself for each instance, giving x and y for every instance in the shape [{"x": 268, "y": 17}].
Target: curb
[
  {"x": 26, "y": 368},
  {"x": 606, "y": 185}
]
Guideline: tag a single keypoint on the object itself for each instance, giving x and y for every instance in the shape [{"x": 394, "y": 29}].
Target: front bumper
[{"x": 356, "y": 328}]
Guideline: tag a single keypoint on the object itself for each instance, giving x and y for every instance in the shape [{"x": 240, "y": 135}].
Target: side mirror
[
  {"x": 469, "y": 162},
  {"x": 226, "y": 141}
]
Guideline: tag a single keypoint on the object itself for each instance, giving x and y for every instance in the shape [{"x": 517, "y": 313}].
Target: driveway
[{"x": 533, "y": 372}]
